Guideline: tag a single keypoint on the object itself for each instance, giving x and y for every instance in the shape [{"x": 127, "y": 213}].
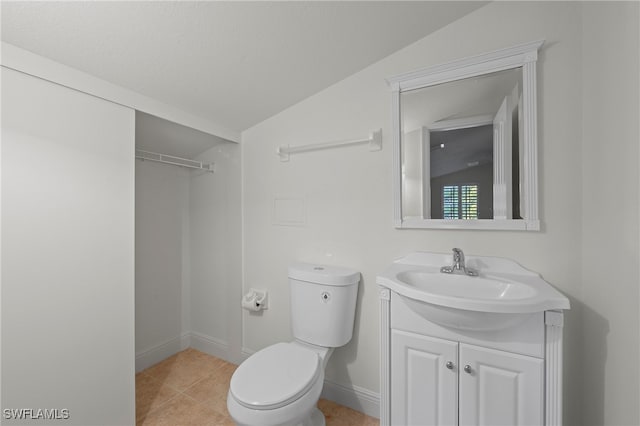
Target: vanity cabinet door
[
  {"x": 500, "y": 388},
  {"x": 424, "y": 380}
]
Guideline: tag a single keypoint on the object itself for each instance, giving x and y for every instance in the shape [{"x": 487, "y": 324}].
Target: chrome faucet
[{"x": 458, "y": 266}]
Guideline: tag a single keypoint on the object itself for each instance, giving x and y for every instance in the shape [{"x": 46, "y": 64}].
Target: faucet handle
[
  {"x": 459, "y": 265},
  {"x": 457, "y": 254}
]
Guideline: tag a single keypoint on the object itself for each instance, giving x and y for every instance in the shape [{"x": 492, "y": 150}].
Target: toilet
[{"x": 281, "y": 384}]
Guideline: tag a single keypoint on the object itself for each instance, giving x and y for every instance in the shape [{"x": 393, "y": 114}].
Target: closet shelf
[
  {"x": 176, "y": 161},
  {"x": 374, "y": 141}
]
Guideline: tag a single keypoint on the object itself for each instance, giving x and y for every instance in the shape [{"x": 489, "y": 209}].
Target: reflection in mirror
[
  {"x": 460, "y": 148},
  {"x": 465, "y": 143}
]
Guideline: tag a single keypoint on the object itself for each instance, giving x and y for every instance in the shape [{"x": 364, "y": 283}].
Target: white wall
[
  {"x": 610, "y": 252},
  {"x": 162, "y": 274},
  {"x": 215, "y": 253},
  {"x": 348, "y": 198},
  {"x": 67, "y": 252}
]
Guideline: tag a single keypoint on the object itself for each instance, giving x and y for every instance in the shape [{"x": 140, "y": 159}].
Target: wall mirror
[{"x": 465, "y": 144}]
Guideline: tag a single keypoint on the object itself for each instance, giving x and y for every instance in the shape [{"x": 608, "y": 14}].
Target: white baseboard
[
  {"x": 154, "y": 355},
  {"x": 355, "y": 397},
  {"x": 246, "y": 353},
  {"x": 199, "y": 341},
  {"x": 210, "y": 345}
]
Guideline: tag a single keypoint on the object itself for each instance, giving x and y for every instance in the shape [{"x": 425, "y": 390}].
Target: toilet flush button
[{"x": 326, "y": 296}]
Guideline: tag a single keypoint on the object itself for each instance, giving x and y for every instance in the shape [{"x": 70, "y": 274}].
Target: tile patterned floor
[{"x": 190, "y": 388}]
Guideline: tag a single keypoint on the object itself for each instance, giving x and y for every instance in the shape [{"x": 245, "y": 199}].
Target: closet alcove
[{"x": 187, "y": 243}]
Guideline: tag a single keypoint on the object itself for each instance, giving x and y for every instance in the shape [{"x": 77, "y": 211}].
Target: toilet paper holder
[{"x": 255, "y": 300}]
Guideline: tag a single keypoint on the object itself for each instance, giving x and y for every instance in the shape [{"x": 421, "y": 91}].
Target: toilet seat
[{"x": 286, "y": 372}]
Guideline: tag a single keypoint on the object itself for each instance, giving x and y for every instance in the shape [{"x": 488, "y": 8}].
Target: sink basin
[
  {"x": 487, "y": 287},
  {"x": 502, "y": 294}
]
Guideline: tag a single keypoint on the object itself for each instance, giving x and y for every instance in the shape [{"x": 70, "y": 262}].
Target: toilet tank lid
[{"x": 324, "y": 274}]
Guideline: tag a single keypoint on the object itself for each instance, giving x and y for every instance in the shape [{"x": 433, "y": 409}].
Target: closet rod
[{"x": 176, "y": 161}]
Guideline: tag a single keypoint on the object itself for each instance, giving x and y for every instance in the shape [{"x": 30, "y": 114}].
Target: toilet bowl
[
  {"x": 291, "y": 380},
  {"x": 280, "y": 385}
]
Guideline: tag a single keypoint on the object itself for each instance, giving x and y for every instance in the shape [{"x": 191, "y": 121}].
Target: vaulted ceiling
[{"x": 234, "y": 63}]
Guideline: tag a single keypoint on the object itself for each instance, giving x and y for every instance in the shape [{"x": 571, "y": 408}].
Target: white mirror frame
[{"x": 524, "y": 56}]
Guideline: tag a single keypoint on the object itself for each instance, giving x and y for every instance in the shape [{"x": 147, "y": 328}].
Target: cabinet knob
[
  {"x": 467, "y": 369},
  {"x": 449, "y": 365}
]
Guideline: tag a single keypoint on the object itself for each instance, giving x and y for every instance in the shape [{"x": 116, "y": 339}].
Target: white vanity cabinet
[
  {"x": 470, "y": 344},
  {"x": 499, "y": 387},
  {"x": 435, "y": 375},
  {"x": 424, "y": 380},
  {"x": 442, "y": 382}
]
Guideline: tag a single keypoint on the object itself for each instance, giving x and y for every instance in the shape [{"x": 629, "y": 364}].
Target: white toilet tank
[{"x": 323, "y": 303}]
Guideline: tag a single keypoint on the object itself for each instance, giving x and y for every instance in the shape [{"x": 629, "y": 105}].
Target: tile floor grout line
[
  {"x": 178, "y": 393},
  {"x": 161, "y": 405}
]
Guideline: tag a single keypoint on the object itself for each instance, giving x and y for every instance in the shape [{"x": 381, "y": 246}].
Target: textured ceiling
[{"x": 235, "y": 63}]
